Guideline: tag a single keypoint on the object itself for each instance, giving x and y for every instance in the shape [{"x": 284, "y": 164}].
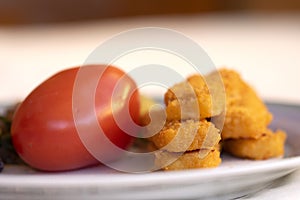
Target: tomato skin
[{"x": 43, "y": 128}]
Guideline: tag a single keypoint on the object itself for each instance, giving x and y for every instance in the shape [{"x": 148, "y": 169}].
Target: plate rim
[{"x": 287, "y": 163}]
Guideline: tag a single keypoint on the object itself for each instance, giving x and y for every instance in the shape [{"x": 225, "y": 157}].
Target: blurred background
[
  {"x": 258, "y": 38},
  {"x": 14, "y": 12}
]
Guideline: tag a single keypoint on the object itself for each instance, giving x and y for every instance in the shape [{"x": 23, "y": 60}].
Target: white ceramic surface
[
  {"x": 263, "y": 48},
  {"x": 234, "y": 178}
]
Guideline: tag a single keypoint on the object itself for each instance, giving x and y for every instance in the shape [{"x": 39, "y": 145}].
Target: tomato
[{"x": 44, "y": 133}]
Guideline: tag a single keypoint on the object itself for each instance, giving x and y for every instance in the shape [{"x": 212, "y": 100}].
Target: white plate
[{"x": 234, "y": 178}]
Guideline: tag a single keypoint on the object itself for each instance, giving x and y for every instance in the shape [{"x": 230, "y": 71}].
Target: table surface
[{"x": 263, "y": 48}]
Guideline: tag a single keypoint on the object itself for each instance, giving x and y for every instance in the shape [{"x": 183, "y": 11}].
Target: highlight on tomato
[{"x": 44, "y": 132}]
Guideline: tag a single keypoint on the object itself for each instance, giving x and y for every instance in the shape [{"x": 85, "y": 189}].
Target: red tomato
[{"x": 43, "y": 128}]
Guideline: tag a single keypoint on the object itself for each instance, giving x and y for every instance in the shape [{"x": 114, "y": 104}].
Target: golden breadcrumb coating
[
  {"x": 187, "y": 136},
  {"x": 246, "y": 114},
  {"x": 241, "y": 122},
  {"x": 194, "y": 86},
  {"x": 195, "y": 98},
  {"x": 189, "y": 160},
  {"x": 267, "y": 146}
]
